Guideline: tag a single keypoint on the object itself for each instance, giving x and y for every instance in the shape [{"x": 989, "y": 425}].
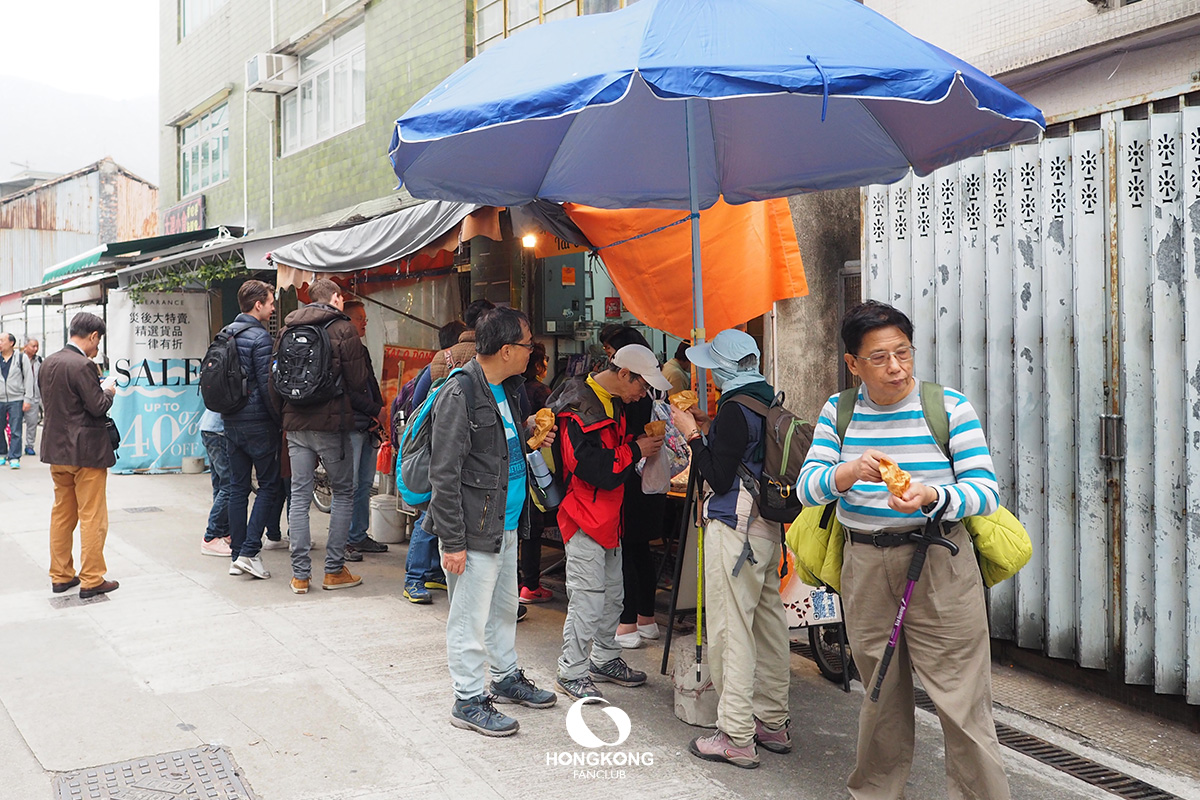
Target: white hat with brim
[
  {"x": 725, "y": 350},
  {"x": 638, "y": 359}
]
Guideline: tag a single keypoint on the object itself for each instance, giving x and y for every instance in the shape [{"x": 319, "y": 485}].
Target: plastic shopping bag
[
  {"x": 674, "y": 443},
  {"x": 656, "y": 473}
]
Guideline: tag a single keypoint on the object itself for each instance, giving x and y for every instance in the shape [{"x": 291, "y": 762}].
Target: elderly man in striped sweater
[{"x": 945, "y": 635}]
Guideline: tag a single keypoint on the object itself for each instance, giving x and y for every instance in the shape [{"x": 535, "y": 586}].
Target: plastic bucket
[
  {"x": 385, "y": 520},
  {"x": 192, "y": 465}
]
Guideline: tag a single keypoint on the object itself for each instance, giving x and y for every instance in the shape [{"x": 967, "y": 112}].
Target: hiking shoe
[
  {"x": 777, "y": 740},
  {"x": 480, "y": 715},
  {"x": 252, "y": 565},
  {"x": 538, "y": 595},
  {"x": 352, "y": 554},
  {"x": 299, "y": 585},
  {"x": 720, "y": 747},
  {"x": 618, "y": 672},
  {"x": 629, "y": 641},
  {"x": 522, "y": 612},
  {"x": 416, "y": 593},
  {"x": 519, "y": 690},
  {"x": 29, "y": 451},
  {"x": 14, "y": 463},
  {"x": 369, "y": 545},
  {"x": 274, "y": 544},
  {"x": 436, "y": 583},
  {"x": 340, "y": 580},
  {"x": 578, "y": 688},
  {"x": 215, "y": 547}
]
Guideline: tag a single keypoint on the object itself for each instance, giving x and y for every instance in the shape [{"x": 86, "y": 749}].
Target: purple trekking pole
[{"x": 923, "y": 540}]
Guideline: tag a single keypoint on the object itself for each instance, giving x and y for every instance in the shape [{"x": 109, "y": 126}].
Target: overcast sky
[{"x": 92, "y": 52}]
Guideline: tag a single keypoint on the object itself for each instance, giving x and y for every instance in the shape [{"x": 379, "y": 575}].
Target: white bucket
[
  {"x": 192, "y": 465},
  {"x": 385, "y": 520}
]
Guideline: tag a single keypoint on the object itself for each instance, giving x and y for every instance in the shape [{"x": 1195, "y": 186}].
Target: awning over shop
[
  {"x": 749, "y": 254},
  {"x": 74, "y": 264},
  {"x": 423, "y": 229},
  {"x": 128, "y": 250}
]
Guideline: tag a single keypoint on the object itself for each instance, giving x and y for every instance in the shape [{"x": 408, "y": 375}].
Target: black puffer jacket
[{"x": 256, "y": 352}]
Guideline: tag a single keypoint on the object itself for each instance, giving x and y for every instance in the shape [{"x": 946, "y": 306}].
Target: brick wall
[{"x": 410, "y": 46}]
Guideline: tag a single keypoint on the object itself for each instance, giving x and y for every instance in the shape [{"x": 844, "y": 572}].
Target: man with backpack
[
  {"x": 16, "y": 396},
  {"x": 596, "y": 456},
  {"x": 320, "y": 382},
  {"x": 251, "y": 431},
  {"x": 478, "y": 507},
  {"x": 748, "y": 649}
]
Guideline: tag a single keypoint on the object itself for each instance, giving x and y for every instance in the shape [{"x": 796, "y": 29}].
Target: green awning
[{"x": 75, "y": 264}]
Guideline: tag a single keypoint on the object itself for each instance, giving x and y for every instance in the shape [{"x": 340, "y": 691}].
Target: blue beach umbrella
[{"x": 673, "y": 103}]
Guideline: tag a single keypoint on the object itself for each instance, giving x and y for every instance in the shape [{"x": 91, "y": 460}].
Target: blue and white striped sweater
[{"x": 901, "y": 433}]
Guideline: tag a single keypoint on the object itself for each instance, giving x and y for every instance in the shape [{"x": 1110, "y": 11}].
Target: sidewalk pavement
[{"x": 346, "y": 694}]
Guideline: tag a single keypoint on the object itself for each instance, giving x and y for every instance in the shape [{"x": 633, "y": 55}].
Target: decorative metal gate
[{"x": 1056, "y": 284}]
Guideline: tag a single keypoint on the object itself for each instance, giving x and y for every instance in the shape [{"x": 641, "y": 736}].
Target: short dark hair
[
  {"x": 12, "y": 339},
  {"x": 681, "y": 351},
  {"x": 868, "y": 316},
  {"x": 448, "y": 334},
  {"x": 608, "y": 330},
  {"x": 499, "y": 327},
  {"x": 537, "y": 358},
  {"x": 625, "y": 335},
  {"x": 322, "y": 290},
  {"x": 475, "y": 311},
  {"x": 84, "y": 325},
  {"x": 252, "y": 292},
  {"x": 349, "y": 304}
]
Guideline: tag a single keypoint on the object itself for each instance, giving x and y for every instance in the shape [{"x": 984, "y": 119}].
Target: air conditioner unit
[{"x": 272, "y": 72}]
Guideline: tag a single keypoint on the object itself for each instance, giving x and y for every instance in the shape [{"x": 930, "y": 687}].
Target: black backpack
[
  {"x": 303, "y": 370},
  {"x": 223, "y": 383}
]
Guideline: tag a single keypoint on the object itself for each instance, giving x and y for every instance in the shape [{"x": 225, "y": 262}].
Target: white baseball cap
[{"x": 638, "y": 359}]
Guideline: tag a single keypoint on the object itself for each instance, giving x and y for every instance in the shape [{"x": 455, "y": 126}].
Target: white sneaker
[
  {"x": 272, "y": 544},
  {"x": 252, "y": 565},
  {"x": 629, "y": 641},
  {"x": 648, "y": 631},
  {"x": 234, "y": 569},
  {"x": 217, "y": 547}
]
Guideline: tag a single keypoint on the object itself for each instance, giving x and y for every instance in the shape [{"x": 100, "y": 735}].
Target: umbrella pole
[{"x": 690, "y": 124}]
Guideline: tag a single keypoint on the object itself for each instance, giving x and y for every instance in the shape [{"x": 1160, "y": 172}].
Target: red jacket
[{"x": 597, "y": 456}]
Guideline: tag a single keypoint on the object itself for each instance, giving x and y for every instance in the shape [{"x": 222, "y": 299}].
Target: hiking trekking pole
[
  {"x": 699, "y": 599},
  {"x": 927, "y": 537}
]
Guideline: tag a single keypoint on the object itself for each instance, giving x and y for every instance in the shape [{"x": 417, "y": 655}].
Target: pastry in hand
[
  {"x": 656, "y": 427},
  {"x": 897, "y": 480},
  {"x": 684, "y": 400},
  {"x": 544, "y": 420}
]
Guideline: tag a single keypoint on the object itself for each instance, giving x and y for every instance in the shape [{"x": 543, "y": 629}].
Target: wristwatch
[{"x": 931, "y": 507}]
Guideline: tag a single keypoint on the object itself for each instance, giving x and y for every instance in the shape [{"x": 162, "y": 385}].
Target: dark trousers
[
  {"x": 253, "y": 445},
  {"x": 529, "y": 553},
  {"x": 643, "y": 516}
]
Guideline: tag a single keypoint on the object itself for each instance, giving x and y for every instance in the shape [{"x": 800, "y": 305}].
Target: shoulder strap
[
  {"x": 234, "y": 328},
  {"x": 465, "y": 381},
  {"x": 757, "y": 406},
  {"x": 845, "y": 410},
  {"x": 933, "y": 406}
]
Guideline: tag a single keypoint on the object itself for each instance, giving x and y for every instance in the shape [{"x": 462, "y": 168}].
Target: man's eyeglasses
[
  {"x": 883, "y": 357},
  {"x": 527, "y": 345},
  {"x": 645, "y": 383}
]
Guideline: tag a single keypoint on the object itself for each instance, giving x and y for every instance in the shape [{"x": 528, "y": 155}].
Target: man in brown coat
[
  {"x": 446, "y": 361},
  {"x": 324, "y": 430},
  {"x": 76, "y": 445}
]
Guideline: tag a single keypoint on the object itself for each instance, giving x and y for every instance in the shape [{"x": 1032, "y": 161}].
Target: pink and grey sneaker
[
  {"x": 777, "y": 740},
  {"x": 719, "y": 747}
]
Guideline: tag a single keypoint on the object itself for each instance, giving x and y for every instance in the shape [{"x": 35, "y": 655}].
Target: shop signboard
[
  {"x": 612, "y": 308},
  {"x": 185, "y": 217},
  {"x": 400, "y": 365},
  {"x": 155, "y": 349}
]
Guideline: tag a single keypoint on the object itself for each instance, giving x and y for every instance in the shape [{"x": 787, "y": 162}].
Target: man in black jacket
[{"x": 252, "y": 434}]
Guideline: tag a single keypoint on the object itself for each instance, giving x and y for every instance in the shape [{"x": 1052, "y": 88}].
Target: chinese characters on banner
[{"x": 155, "y": 349}]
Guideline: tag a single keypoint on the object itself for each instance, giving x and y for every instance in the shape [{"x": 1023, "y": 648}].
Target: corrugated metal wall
[{"x": 1056, "y": 283}]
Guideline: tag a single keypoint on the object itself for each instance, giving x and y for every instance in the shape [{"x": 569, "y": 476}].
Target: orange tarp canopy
[{"x": 749, "y": 256}]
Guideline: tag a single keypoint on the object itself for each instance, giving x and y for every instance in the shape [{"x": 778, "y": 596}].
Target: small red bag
[{"x": 386, "y": 461}]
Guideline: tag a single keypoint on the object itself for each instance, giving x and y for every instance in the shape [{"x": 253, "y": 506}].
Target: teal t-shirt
[{"x": 516, "y": 463}]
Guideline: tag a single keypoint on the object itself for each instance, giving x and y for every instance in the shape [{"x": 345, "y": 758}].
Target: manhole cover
[
  {"x": 142, "y": 510},
  {"x": 74, "y": 601},
  {"x": 201, "y": 773}
]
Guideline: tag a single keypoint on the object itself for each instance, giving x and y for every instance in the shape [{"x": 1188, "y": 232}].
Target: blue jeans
[
  {"x": 11, "y": 414},
  {"x": 364, "y": 479},
  {"x": 275, "y": 512},
  {"x": 251, "y": 444},
  {"x": 482, "y": 623},
  {"x": 423, "y": 562},
  {"x": 218, "y": 460},
  {"x": 337, "y": 454}
]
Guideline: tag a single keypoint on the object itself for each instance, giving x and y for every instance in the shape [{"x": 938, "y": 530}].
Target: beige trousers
[
  {"x": 945, "y": 641},
  {"x": 748, "y": 650},
  {"x": 79, "y": 498}
]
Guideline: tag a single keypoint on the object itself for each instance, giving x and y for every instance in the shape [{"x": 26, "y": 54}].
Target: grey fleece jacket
[{"x": 19, "y": 385}]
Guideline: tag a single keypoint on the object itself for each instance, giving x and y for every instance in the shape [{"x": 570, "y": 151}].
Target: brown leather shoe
[
  {"x": 59, "y": 588},
  {"x": 341, "y": 580},
  {"x": 103, "y": 588}
]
